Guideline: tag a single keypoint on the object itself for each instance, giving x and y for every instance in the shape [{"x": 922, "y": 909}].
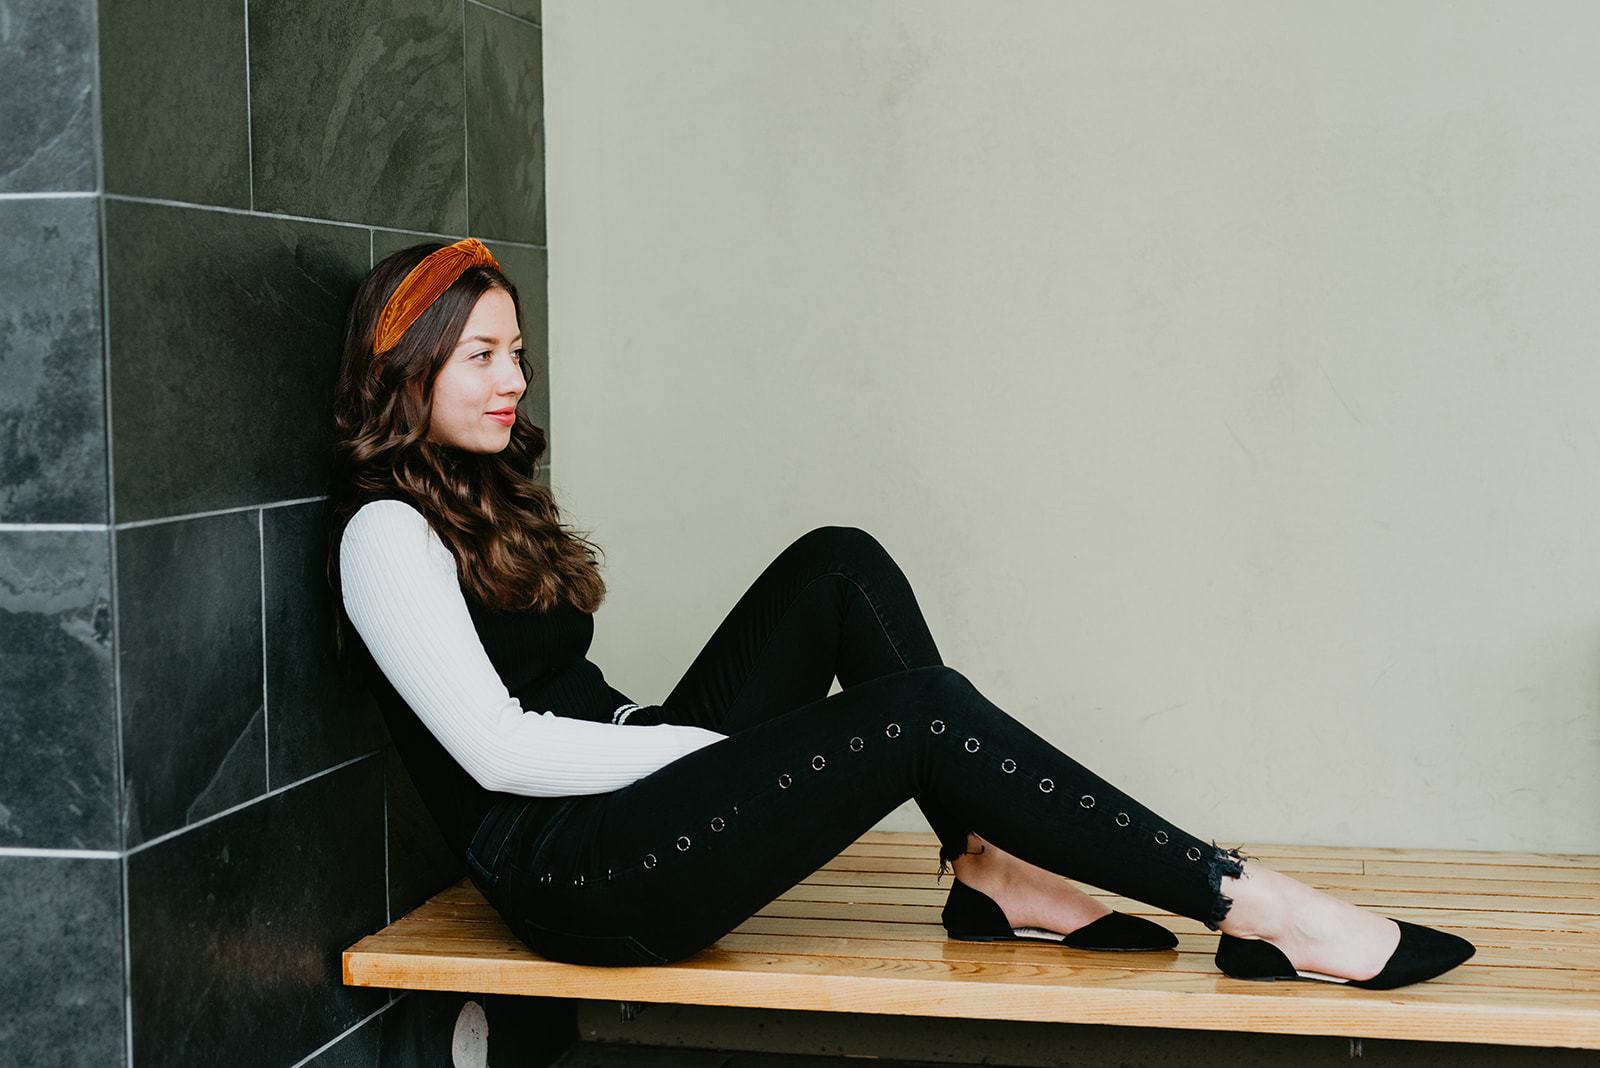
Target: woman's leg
[
  {"x": 833, "y": 603},
  {"x": 684, "y": 855}
]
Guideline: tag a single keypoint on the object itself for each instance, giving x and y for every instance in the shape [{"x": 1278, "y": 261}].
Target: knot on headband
[{"x": 423, "y": 285}]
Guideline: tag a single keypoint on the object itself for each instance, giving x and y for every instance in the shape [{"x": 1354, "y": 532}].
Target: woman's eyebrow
[{"x": 483, "y": 337}]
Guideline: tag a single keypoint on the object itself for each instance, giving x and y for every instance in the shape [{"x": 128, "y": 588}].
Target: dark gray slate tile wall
[
  {"x": 224, "y": 332},
  {"x": 236, "y": 926},
  {"x": 172, "y": 83},
  {"x": 357, "y": 111},
  {"x": 58, "y": 781},
  {"x": 317, "y": 717},
  {"x": 47, "y": 132},
  {"x": 195, "y": 781},
  {"x": 189, "y": 628},
  {"x": 505, "y": 109},
  {"x": 52, "y": 419},
  {"x": 61, "y": 976}
]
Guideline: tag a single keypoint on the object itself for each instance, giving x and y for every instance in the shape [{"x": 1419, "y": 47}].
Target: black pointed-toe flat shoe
[
  {"x": 973, "y": 916},
  {"x": 1423, "y": 952}
]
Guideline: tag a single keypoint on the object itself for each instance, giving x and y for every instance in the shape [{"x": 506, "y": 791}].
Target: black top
[{"x": 542, "y": 657}]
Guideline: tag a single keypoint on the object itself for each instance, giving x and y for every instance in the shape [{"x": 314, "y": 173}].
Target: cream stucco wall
[{"x": 1223, "y": 376}]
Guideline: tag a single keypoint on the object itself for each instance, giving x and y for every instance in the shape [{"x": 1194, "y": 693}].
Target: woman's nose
[{"x": 512, "y": 381}]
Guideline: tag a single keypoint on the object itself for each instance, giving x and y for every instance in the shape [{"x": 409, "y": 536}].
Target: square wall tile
[
  {"x": 52, "y": 409},
  {"x": 237, "y": 926},
  {"x": 316, "y": 716},
  {"x": 172, "y": 80},
  {"x": 58, "y": 731},
  {"x": 61, "y": 972},
  {"x": 47, "y": 132},
  {"x": 193, "y": 723},
  {"x": 357, "y": 113},
  {"x": 505, "y": 127},
  {"x": 225, "y": 333}
]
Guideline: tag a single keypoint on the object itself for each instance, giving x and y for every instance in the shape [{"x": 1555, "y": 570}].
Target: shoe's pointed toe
[
  {"x": 1423, "y": 953},
  {"x": 1120, "y": 932}
]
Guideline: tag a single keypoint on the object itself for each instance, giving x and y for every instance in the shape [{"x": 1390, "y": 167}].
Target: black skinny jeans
[{"x": 662, "y": 868}]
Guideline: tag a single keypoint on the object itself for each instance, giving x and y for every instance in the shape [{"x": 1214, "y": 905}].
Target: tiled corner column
[
  {"x": 61, "y": 912},
  {"x": 198, "y": 813}
]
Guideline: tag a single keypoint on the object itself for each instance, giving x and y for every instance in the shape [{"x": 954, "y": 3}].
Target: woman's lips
[{"x": 503, "y": 418}]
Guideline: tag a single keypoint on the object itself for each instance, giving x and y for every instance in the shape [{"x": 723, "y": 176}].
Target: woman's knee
[
  {"x": 943, "y": 686},
  {"x": 844, "y": 545}
]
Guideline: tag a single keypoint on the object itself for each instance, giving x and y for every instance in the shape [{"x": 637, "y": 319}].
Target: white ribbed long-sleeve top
[{"x": 401, "y": 589}]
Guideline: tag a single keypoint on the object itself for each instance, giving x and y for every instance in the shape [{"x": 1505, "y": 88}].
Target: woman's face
[{"x": 475, "y": 393}]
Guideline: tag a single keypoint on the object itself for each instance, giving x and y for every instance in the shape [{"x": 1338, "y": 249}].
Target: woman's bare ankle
[{"x": 1260, "y": 906}]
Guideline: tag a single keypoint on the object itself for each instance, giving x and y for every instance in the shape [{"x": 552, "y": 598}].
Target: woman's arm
[{"x": 402, "y": 592}]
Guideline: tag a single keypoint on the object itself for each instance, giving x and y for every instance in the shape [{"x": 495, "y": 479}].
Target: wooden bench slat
[{"x": 914, "y": 840}]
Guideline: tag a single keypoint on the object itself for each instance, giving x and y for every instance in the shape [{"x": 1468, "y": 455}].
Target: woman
[{"x": 609, "y": 832}]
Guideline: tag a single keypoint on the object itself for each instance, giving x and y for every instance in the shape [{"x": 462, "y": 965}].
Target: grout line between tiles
[
  {"x": 119, "y": 785},
  {"x": 54, "y": 526},
  {"x": 226, "y": 210},
  {"x": 186, "y": 828},
  {"x": 266, "y": 723},
  {"x": 249, "y": 113},
  {"x": 217, "y": 511},
  {"x": 342, "y": 1035},
  {"x": 466, "y": 141},
  {"x": 281, "y": 216}
]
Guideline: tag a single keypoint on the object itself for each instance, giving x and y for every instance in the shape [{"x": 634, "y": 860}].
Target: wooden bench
[{"x": 863, "y": 935}]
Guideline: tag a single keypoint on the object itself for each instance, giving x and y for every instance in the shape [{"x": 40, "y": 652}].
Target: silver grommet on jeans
[
  {"x": 937, "y": 726},
  {"x": 683, "y": 843},
  {"x": 972, "y": 745},
  {"x": 1087, "y": 801},
  {"x": 1193, "y": 853},
  {"x": 856, "y": 745},
  {"x": 578, "y": 881},
  {"x": 1161, "y": 837},
  {"x": 1123, "y": 820},
  {"x": 649, "y": 860},
  {"x": 1047, "y": 785},
  {"x": 1008, "y": 765},
  {"x": 546, "y": 877},
  {"x": 818, "y": 762},
  {"x": 717, "y": 823},
  {"x": 784, "y": 780},
  {"x": 892, "y": 730}
]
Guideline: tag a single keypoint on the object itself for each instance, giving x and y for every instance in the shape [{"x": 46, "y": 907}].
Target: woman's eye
[{"x": 489, "y": 354}]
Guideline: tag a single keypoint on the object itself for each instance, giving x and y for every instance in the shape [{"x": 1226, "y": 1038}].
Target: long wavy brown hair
[{"x": 511, "y": 548}]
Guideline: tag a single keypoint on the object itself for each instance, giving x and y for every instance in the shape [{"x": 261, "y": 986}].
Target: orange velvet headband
[{"x": 426, "y": 282}]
